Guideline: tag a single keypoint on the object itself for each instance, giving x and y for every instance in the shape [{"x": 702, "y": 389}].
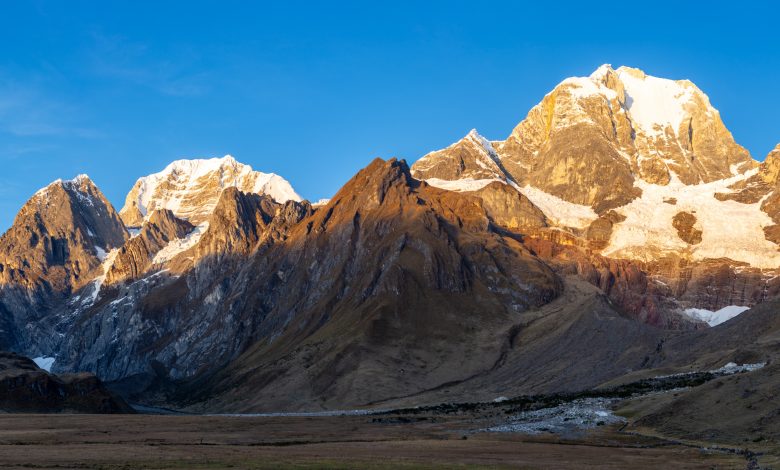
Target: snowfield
[
  {"x": 715, "y": 318},
  {"x": 44, "y": 363},
  {"x": 729, "y": 229},
  {"x": 180, "y": 245}
]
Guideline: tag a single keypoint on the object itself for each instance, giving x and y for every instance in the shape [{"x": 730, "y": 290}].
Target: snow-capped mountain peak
[
  {"x": 654, "y": 103},
  {"x": 191, "y": 188}
]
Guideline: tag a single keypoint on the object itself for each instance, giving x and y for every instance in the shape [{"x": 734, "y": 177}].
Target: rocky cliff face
[
  {"x": 137, "y": 255},
  {"x": 191, "y": 188},
  {"x": 57, "y": 241}
]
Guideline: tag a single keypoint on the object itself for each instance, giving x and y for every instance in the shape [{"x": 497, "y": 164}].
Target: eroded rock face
[
  {"x": 508, "y": 208},
  {"x": 241, "y": 221},
  {"x": 600, "y": 230},
  {"x": 472, "y": 157},
  {"x": 136, "y": 256},
  {"x": 684, "y": 223},
  {"x": 57, "y": 241},
  {"x": 712, "y": 284}
]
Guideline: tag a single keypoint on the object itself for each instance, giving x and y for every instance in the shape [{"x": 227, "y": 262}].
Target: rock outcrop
[
  {"x": 25, "y": 388},
  {"x": 684, "y": 223},
  {"x": 136, "y": 256}
]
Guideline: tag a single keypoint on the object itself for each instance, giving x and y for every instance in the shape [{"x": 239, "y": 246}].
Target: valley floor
[{"x": 372, "y": 441}]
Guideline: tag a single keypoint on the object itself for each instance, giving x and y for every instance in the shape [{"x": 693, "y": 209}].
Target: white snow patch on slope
[
  {"x": 729, "y": 229},
  {"x": 717, "y": 317},
  {"x": 44, "y": 363},
  {"x": 560, "y": 212},
  {"x": 101, "y": 253},
  {"x": 97, "y": 283},
  {"x": 653, "y": 101},
  {"x": 180, "y": 245},
  {"x": 465, "y": 184},
  {"x": 583, "y": 87}
]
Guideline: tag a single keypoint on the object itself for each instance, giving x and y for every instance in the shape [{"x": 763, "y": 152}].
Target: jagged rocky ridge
[{"x": 406, "y": 280}]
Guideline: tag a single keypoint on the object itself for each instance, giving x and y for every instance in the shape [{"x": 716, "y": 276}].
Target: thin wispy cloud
[{"x": 120, "y": 59}]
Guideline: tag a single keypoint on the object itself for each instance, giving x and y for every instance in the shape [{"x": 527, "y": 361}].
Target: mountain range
[{"x": 618, "y": 232}]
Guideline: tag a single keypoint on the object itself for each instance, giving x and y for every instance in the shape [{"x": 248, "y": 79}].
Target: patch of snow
[
  {"x": 653, "y": 103},
  {"x": 560, "y": 212},
  {"x": 465, "y": 184},
  {"x": 734, "y": 168},
  {"x": 180, "y": 245},
  {"x": 133, "y": 231},
  {"x": 44, "y": 363},
  {"x": 729, "y": 229},
  {"x": 97, "y": 283},
  {"x": 321, "y": 202},
  {"x": 601, "y": 72},
  {"x": 101, "y": 253},
  {"x": 717, "y": 317},
  {"x": 583, "y": 87}
]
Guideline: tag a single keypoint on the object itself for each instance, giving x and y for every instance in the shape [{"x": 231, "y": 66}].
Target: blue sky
[{"x": 314, "y": 90}]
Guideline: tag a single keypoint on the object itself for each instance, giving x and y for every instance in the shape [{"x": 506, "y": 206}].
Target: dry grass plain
[{"x": 208, "y": 442}]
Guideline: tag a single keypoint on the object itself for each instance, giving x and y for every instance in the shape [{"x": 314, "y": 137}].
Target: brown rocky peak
[
  {"x": 60, "y": 235},
  {"x": 168, "y": 224},
  {"x": 373, "y": 184},
  {"x": 241, "y": 220},
  {"x": 770, "y": 167},
  {"x": 471, "y": 157}
]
